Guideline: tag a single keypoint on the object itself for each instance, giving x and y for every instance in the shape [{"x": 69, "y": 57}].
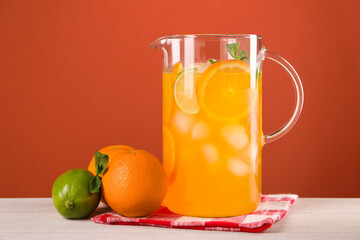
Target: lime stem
[{"x": 69, "y": 204}]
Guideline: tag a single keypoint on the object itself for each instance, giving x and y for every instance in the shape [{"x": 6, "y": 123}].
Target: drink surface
[{"x": 212, "y": 138}]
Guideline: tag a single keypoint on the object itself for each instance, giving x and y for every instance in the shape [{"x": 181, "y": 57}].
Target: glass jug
[{"x": 212, "y": 132}]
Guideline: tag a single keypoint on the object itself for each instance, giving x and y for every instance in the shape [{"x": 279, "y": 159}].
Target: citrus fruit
[
  {"x": 224, "y": 90},
  {"x": 168, "y": 154},
  {"x": 178, "y": 68},
  {"x": 114, "y": 152},
  {"x": 135, "y": 184},
  {"x": 185, "y": 91},
  {"x": 71, "y": 194},
  {"x": 168, "y": 85}
]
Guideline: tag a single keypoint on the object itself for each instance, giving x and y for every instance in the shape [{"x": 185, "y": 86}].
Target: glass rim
[
  {"x": 184, "y": 36},
  {"x": 211, "y": 35}
]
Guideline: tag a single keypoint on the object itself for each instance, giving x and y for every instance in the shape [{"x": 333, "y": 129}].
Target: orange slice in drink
[
  {"x": 185, "y": 91},
  {"x": 178, "y": 68},
  {"x": 224, "y": 90},
  {"x": 168, "y": 86},
  {"x": 168, "y": 82},
  {"x": 168, "y": 154}
]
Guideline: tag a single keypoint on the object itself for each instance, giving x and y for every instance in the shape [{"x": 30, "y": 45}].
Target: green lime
[
  {"x": 71, "y": 194},
  {"x": 185, "y": 91}
]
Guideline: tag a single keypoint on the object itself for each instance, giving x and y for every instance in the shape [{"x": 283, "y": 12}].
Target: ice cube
[
  {"x": 183, "y": 122},
  {"x": 236, "y": 136},
  {"x": 199, "y": 131},
  {"x": 238, "y": 167},
  {"x": 210, "y": 153}
]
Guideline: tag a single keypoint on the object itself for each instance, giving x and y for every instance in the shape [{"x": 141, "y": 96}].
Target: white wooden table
[{"x": 309, "y": 218}]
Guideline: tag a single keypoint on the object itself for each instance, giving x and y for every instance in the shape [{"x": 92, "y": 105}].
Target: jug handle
[{"x": 299, "y": 97}]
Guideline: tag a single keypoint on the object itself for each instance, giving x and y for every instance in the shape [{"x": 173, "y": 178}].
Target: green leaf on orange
[{"x": 101, "y": 161}]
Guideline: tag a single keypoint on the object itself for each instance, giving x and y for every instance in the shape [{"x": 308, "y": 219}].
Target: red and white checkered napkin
[{"x": 271, "y": 209}]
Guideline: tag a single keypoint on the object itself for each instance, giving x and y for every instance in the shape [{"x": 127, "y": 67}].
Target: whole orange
[
  {"x": 135, "y": 185},
  {"x": 115, "y": 152}
]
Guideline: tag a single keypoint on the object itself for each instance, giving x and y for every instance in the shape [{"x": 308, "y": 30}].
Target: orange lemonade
[{"x": 212, "y": 138}]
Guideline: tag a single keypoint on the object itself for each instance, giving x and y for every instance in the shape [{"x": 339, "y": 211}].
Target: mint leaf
[
  {"x": 101, "y": 160},
  {"x": 95, "y": 184},
  {"x": 245, "y": 59},
  {"x": 243, "y": 53},
  {"x": 233, "y": 49},
  {"x": 212, "y": 61}
]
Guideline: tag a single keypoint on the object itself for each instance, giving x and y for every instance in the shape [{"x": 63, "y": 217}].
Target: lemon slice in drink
[
  {"x": 185, "y": 91},
  {"x": 224, "y": 90}
]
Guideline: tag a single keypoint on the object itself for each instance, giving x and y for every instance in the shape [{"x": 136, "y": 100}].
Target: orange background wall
[{"x": 79, "y": 75}]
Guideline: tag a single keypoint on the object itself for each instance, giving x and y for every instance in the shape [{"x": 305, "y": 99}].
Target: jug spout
[{"x": 158, "y": 43}]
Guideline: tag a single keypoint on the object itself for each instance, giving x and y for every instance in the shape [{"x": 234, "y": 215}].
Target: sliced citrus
[
  {"x": 168, "y": 154},
  {"x": 185, "y": 91},
  {"x": 178, "y": 68},
  {"x": 168, "y": 82},
  {"x": 225, "y": 92}
]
